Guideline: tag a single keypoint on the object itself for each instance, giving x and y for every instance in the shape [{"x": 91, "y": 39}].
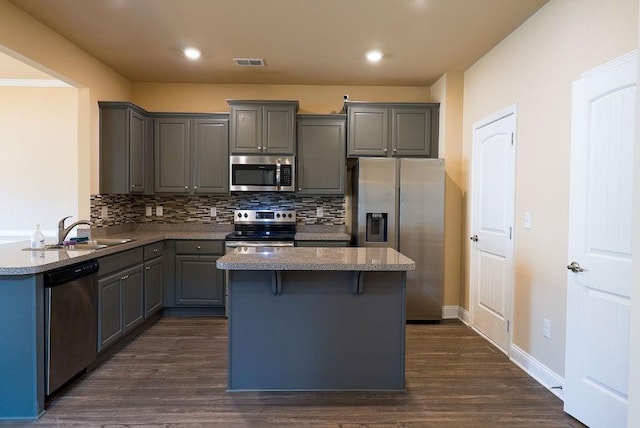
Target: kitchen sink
[{"x": 93, "y": 244}]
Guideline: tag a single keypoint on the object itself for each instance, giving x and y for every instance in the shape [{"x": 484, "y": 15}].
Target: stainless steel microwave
[{"x": 257, "y": 173}]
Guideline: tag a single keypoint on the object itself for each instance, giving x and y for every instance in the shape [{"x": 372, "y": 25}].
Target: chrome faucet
[{"x": 63, "y": 232}]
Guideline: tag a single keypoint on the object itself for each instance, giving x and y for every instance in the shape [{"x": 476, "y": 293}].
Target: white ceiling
[{"x": 302, "y": 41}]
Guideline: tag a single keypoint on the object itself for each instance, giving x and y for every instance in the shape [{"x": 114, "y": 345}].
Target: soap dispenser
[{"x": 37, "y": 239}]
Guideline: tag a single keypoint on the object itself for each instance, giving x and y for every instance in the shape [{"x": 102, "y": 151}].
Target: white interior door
[
  {"x": 493, "y": 190},
  {"x": 600, "y": 216}
]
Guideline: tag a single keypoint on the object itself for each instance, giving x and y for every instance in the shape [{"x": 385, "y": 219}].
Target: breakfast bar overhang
[{"x": 316, "y": 319}]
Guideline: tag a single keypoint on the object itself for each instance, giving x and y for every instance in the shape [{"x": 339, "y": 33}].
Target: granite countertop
[
  {"x": 298, "y": 258},
  {"x": 322, "y": 236},
  {"x": 15, "y": 261}
]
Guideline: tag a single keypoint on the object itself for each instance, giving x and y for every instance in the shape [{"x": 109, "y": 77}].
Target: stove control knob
[
  {"x": 289, "y": 215},
  {"x": 239, "y": 215},
  {"x": 278, "y": 215},
  {"x": 246, "y": 215}
]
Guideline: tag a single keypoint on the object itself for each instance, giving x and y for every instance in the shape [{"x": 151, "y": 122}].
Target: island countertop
[{"x": 297, "y": 258}]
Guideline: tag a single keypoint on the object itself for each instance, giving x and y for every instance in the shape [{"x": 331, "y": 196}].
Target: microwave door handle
[{"x": 278, "y": 174}]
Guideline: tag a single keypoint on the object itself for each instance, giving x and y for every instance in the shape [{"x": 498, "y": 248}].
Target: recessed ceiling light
[
  {"x": 192, "y": 53},
  {"x": 374, "y": 56}
]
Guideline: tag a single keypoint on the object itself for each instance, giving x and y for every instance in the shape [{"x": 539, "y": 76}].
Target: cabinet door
[
  {"x": 411, "y": 132},
  {"x": 132, "y": 297},
  {"x": 123, "y": 146},
  {"x": 110, "y": 326},
  {"x": 198, "y": 281},
  {"x": 152, "y": 286},
  {"x": 210, "y": 159},
  {"x": 171, "y": 144},
  {"x": 246, "y": 129},
  {"x": 368, "y": 131},
  {"x": 321, "y": 156},
  {"x": 278, "y": 129},
  {"x": 137, "y": 151}
]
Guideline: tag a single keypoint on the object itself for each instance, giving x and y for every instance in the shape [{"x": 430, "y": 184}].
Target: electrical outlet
[
  {"x": 546, "y": 328},
  {"x": 319, "y": 212},
  {"x": 148, "y": 211},
  {"x": 104, "y": 212},
  {"x": 527, "y": 220},
  {"x": 159, "y": 211},
  {"x": 213, "y": 212}
]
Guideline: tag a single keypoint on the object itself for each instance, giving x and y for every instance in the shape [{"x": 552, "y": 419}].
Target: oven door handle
[
  {"x": 278, "y": 174},
  {"x": 236, "y": 244}
]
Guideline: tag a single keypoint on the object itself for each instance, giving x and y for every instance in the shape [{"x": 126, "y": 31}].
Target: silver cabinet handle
[
  {"x": 155, "y": 250},
  {"x": 147, "y": 268},
  {"x": 195, "y": 187},
  {"x": 575, "y": 267},
  {"x": 385, "y": 150},
  {"x": 198, "y": 247}
]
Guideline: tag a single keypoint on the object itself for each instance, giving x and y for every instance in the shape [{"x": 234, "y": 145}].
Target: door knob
[
  {"x": 474, "y": 238},
  {"x": 575, "y": 267}
]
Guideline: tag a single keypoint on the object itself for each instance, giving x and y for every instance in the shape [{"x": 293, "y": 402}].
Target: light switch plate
[
  {"x": 159, "y": 211},
  {"x": 148, "y": 211},
  {"x": 527, "y": 220},
  {"x": 104, "y": 212},
  {"x": 319, "y": 212},
  {"x": 213, "y": 212}
]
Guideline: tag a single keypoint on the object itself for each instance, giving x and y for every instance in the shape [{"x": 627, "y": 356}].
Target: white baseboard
[
  {"x": 541, "y": 373},
  {"x": 464, "y": 316},
  {"x": 450, "y": 312}
]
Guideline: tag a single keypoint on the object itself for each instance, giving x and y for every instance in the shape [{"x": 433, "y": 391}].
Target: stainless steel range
[
  {"x": 262, "y": 228},
  {"x": 260, "y": 231}
]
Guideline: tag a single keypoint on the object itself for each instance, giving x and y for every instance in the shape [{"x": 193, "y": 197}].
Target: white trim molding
[
  {"x": 450, "y": 312},
  {"x": 34, "y": 83},
  {"x": 464, "y": 315},
  {"x": 538, "y": 371}
]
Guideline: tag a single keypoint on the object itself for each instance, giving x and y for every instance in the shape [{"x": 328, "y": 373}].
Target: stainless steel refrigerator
[{"x": 399, "y": 203}]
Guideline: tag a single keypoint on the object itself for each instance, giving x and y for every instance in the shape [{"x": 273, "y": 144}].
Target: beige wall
[
  {"x": 39, "y": 142},
  {"x": 25, "y": 38},
  {"x": 534, "y": 68},
  {"x": 313, "y": 99},
  {"x": 448, "y": 91}
]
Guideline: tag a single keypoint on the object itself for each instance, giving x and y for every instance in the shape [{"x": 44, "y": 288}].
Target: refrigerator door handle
[{"x": 358, "y": 286}]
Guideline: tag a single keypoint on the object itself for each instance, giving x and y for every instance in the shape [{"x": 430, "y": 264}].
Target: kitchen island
[{"x": 316, "y": 318}]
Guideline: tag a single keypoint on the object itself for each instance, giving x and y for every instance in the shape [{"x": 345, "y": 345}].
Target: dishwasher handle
[{"x": 70, "y": 273}]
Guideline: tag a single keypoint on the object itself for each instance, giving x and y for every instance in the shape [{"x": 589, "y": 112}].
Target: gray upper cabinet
[
  {"x": 125, "y": 149},
  {"x": 321, "y": 154},
  {"x": 191, "y": 154},
  {"x": 393, "y": 129},
  {"x": 266, "y": 127}
]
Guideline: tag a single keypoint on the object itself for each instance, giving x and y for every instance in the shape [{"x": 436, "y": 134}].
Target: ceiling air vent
[{"x": 249, "y": 62}]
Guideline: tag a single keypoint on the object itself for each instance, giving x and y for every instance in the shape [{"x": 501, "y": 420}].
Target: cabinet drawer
[
  {"x": 119, "y": 261},
  {"x": 153, "y": 250},
  {"x": 199, "y": 247}
]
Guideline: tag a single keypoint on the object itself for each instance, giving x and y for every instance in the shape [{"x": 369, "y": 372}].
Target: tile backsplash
[{"x": 131, "y": 209}]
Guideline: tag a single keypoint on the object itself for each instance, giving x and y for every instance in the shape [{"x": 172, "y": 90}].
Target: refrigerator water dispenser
[{"x": 376, "y": 227}]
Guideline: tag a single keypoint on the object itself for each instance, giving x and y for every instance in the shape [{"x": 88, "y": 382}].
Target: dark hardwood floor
[{"x": 174, "y": 375}]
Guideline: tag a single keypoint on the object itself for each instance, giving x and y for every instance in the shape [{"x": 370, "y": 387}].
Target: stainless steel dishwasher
[{"x": 71, "y": 322}]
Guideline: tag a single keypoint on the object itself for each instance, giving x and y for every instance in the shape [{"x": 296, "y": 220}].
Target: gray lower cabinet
[
  {"x": 121, "y": 295},
  {"x": 392, "y": 129},
  {"x": 262, "y": 127},
  {"x": 197, "y": 280},
  {"x": 126, "y": 162},
  {"x": 321, "y": 154},
  {"x": 120, "y": 304},
  {"x": 191, "y": 153},
  {"x": 153, "y": 278}
]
